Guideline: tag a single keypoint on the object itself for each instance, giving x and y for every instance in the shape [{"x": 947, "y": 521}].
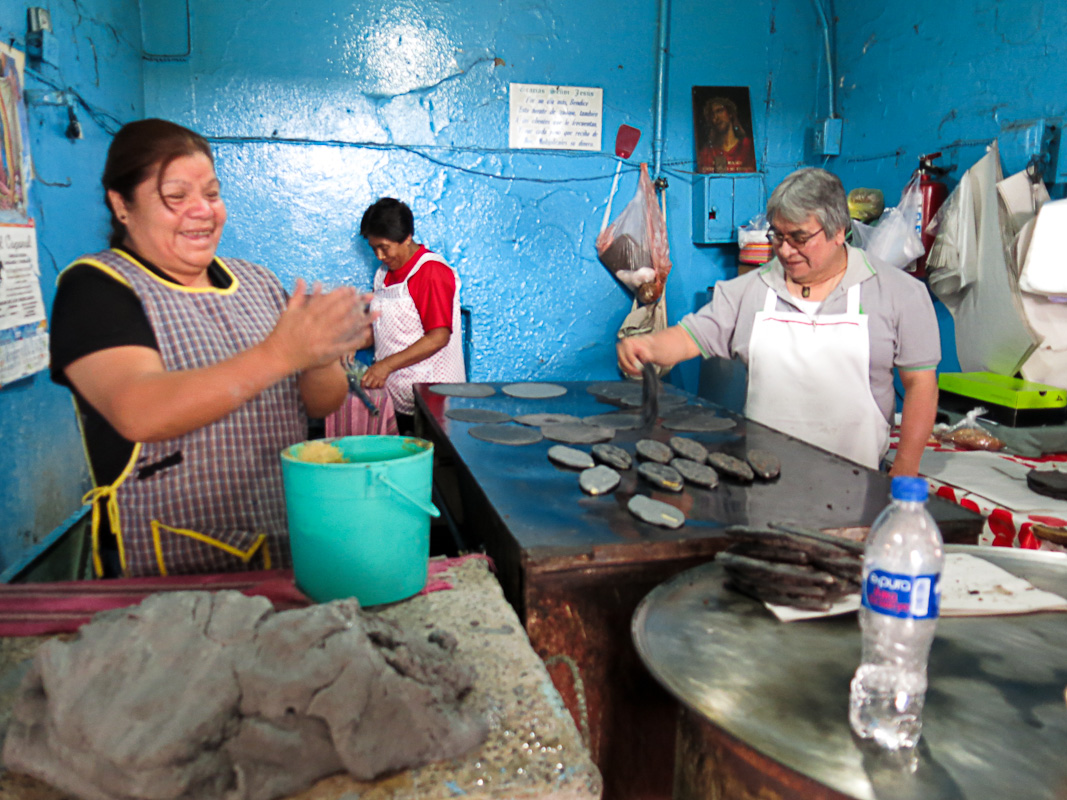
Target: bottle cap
[{"x": 910, "y": 489}]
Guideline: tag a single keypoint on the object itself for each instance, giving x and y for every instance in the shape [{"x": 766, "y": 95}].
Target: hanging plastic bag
[
  {"x": 895, "y": 239},
  {"x": 634, "y": 246}
]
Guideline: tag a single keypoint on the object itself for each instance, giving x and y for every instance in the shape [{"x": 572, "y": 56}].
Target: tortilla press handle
[
  {"x": 356, "y": 389},
  {"x": 422, "y": 505}
]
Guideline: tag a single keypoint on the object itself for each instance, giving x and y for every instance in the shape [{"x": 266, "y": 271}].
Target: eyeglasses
[{"x": 797, "y": 239}]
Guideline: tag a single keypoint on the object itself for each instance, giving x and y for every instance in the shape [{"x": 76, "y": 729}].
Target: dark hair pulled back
[
  {"x": 390, "y": 219},
  {"x": 139, "y": 148}
]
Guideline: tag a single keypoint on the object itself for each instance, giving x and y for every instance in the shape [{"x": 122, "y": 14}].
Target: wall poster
[
  {"x": 14, "y": 155},
  {"x": 722, "y": 125},
  {"x": 23, "y": 329},
  {"x": 554, "y": 117}
]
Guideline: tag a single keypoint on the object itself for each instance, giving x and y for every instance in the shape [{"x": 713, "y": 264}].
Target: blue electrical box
[
  {"x": 828, "y": 137},
  {"x": 722, "y": 203}
]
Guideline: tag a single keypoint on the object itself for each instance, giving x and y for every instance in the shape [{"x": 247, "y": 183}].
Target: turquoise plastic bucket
[{"x": 361, "y": 529}]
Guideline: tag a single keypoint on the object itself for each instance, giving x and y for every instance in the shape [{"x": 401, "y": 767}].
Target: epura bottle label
[{"x": 904, "y": 596}]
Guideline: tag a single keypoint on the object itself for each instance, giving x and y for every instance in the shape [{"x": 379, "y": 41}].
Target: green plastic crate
[{"x": 1009, "y": 401}]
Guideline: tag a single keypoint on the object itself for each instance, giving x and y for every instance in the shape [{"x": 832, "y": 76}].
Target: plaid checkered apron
[
  {"x": 210, "y": 500},
  {"x": 400, "y": 326}
]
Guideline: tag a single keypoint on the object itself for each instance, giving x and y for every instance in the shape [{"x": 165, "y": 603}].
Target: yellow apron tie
[{"x": 108, "y": 494}]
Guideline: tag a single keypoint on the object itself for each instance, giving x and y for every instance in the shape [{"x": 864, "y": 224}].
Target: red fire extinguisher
[{"x": 934, "y": 193}]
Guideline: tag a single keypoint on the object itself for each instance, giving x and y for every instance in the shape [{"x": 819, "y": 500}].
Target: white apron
[
  {"x": 809, "y": 377},
  {"x": 400, "y": 326}
]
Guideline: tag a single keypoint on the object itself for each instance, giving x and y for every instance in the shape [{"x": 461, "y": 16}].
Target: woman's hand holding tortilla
[{"x": 318, "y": 328}]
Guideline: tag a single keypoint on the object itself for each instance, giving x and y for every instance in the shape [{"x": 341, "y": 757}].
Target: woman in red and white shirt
[{"x": 417, "y": 336}]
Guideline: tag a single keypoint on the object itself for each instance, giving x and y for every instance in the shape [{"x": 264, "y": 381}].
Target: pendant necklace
[{"x": 805, "y": 289}]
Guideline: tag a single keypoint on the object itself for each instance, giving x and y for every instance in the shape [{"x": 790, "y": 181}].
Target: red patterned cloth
[
  {"x": 42, "y": 609},
  {"x": 1003, "y": 527}
]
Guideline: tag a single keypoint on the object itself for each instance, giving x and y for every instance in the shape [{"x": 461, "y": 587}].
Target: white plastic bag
[{"x": 895, "y": 239}]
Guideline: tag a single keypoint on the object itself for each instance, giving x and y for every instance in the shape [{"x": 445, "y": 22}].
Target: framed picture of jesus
[{"x": 722, "y": 126}]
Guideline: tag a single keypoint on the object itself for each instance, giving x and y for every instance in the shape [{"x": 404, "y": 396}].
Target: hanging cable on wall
[{"x": 419, "y": 151}]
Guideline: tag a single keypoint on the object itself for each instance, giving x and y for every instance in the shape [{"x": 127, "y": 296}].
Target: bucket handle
[{"x": 428, "y": 508}]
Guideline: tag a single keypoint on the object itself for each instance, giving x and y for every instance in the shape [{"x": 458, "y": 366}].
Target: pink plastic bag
[{"x": 634, "y": 247}]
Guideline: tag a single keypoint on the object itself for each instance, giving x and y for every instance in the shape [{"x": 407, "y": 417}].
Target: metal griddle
[
  {"x": 544, "y": 508},
  {"x": 767, "y": 702}
]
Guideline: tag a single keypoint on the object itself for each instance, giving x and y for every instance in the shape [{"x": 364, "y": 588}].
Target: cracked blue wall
[
  {"x": 42, "y": 469},
  {"x": 918, "y": 78}
]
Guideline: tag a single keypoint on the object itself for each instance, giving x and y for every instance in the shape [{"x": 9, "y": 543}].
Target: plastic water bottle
[{"x": 902, "y": 567}]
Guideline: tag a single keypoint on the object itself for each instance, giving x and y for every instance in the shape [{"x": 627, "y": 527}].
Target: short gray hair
[{"x": 811, "y": 191}]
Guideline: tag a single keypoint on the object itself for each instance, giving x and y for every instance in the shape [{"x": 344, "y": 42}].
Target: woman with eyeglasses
[{"x": 821, "y": 331}]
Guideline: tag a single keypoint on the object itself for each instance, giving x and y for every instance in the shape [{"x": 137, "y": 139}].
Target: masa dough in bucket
[{"x": 319, "y": 452}]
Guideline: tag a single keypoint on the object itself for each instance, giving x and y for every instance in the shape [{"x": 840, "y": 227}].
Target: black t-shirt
[{"x": 92, "y": 312}]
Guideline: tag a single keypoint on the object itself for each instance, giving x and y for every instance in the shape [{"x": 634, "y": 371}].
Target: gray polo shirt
[{"x": 903, "y": 327}]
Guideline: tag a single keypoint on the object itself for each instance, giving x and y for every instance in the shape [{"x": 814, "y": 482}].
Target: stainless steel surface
[{"x": 995, "y": 724}]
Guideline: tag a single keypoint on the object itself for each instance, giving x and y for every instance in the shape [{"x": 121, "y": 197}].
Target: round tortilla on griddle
[
  {"x": 667, "y": 402},
  {"x": 696, "y": 421},
  {"x": 655, "y": 512},
  {"x": 764, "y": 463},
  {"x": 537, "y": 420},
  {"x": 599, "y": 480},
  {"x": 611, "y": 388},
  {"x": 698, "y": 474},
  {"x": 661, "y": 475},
  {"x": 651, "y": 450},
  {"x": 688, "y": 448},
  {"x": 570, "y": 457},
  {"x": 577, "y": 433},
  {"x": 731, "y": 467},
  {"x": 613, "y": 456},
  {"x": 479, "y": 415},
  {"x": 463, "y": 389},
  {"x": 533, "y": 391},
  {"x": 619, "y": 420},
  {"x": 506, "y": 434}
]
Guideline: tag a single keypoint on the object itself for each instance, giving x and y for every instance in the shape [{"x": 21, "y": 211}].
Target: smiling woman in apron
[
  {"x": 416, "y": 337},
  {"x": 821, "y": 331},
  {"x": 190, "y": 372}
]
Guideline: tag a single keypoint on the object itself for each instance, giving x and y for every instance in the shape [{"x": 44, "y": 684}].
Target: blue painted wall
[
  {"x": 950, "y": 76},
  {"x": 411, "y": 100},
  {"x": 42, "y": 469}
]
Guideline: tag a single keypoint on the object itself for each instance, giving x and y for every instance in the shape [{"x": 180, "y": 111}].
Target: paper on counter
[
  {"x": 1000, "y": 480},
  {"x": 970, "y": 587}
]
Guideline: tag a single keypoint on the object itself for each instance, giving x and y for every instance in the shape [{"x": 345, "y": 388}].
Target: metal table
[
  {"x": 767, "y": 702},
  {"x": 575, "y": 567}
]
